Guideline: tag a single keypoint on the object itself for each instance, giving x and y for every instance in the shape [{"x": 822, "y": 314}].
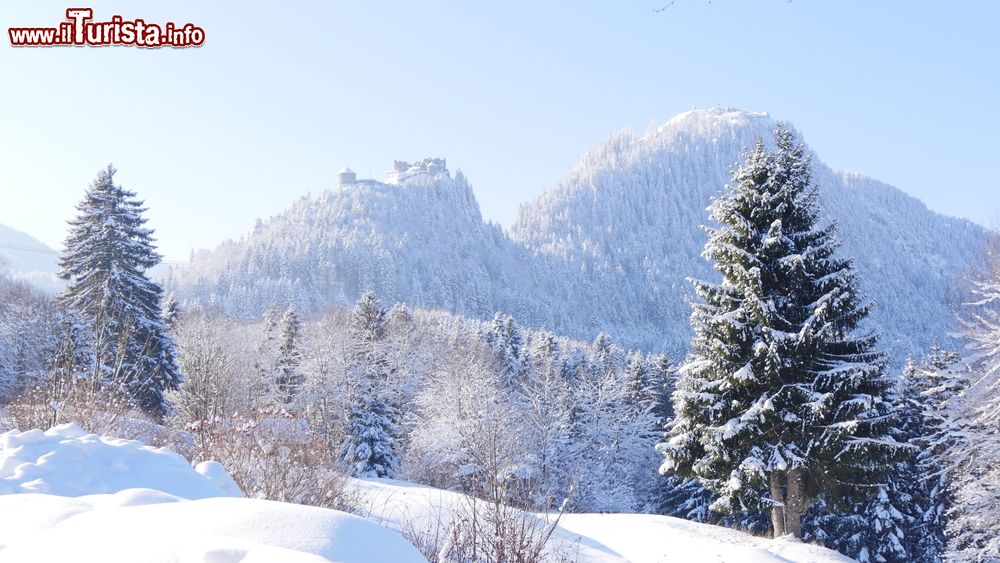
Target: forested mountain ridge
[
  {"x": 607, "y": 249},
  {"x": 636, "y": 204},
  {"x": 422, "y": 241}
]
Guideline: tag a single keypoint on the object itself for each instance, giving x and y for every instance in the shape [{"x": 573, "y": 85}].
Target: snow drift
[
  {"x": 69, "y": 462},
  {"x": 591, "y": 538},
  {"x": 143, "y": 525},
  {"x": 119, "y": 500}
]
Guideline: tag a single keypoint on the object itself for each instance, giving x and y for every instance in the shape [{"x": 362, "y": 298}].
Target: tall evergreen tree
[
  {"x": 639, "y": 383},
  {"x": 107, "y": 254},
  {"x": 368, "y": 449},
  {"x": 895, "y": 525},
  {"x": 505, "y": 339},
  {"x": 289, "y": 376},
  {"x": 171, "y": 311},
  {"x": 779, "y": 399},
  {"x": 967, "y": 428},
  {"x": 262, "y": 389},
  {"x": 663, "y": 376},
  {"x": 926, "y": 387}
]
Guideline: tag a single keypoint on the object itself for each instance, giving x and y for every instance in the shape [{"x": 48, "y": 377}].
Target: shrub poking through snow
[{"x": 273, "y": 456}]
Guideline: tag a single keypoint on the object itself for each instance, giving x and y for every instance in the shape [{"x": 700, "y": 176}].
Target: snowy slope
[
  {"x": 609, "y": 248},
  {"x": 593, "y": 538},
  {"x": 113, "y": 500},
  {"x": 120, "y": 501},
  {"x": 25, "y": 257}
]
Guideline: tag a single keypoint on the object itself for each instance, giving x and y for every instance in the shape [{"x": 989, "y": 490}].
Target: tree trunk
[
  {"x": 777, "y": 512},
  {"x": 795, "y": 503}
]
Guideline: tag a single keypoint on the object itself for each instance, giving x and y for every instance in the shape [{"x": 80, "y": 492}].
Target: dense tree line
[{"x": 443, "y": 400}]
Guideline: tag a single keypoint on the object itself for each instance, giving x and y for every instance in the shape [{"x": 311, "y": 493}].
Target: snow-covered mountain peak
[
  {"x": 633, "y": 207},
  {"x": 716, "y": 124},
  {"x": 714, "y": 117},
  {"x": 716, "y": 136}
]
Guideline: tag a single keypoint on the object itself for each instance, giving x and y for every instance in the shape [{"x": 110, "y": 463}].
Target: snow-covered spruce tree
[
  {"x": 171, "y": 311},
  {"x": 895, "y": 525},
  {"x": 673, "y": 495},
  {"x": 368, "y": 449},
  {"x": 106, "y": 256},
  {"x": 969, "y": 430},
  {"x": 885, "y": 530},
  {"x": 906, "y": 521},
  {"x": 639, "y": 383},
  {"x": 74, "y": 355},
  {"x": 289, "y": 377},
  {"x": 877, "y": 530},
  {"x": 926, "y": 388},
  {"x": 663, "y": 376},
  {"x": 505, "y": 339},
  {"x": 545, "y": 409},
  {"x": 779, "y": 399},
  {"x": 262, "y": 390}
]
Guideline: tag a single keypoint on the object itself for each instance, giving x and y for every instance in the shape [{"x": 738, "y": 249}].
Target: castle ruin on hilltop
[{"x": 401, "y": 170}]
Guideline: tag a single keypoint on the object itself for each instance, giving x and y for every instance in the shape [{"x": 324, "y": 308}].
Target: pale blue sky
[{"x": 283, "y": 95}]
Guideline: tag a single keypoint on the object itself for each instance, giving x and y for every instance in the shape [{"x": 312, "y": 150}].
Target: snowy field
[
  {"x": 593, "y": 538},
  {"x": 66, "y": 495}
]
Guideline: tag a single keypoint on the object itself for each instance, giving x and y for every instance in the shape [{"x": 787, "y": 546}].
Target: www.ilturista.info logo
[{"x": 79, "y": 30}]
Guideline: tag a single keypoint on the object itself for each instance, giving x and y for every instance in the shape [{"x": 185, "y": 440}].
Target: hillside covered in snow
[
  {"x": 607, "y": 249},
  {"x": 632, "y": 212},
  {"x": 67, "y": 495}
]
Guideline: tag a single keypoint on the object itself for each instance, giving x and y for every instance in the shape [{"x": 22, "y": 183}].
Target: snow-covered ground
[
  {"x": 112, "y": 500},
  {"x": 651, "y": 538},
  {"x": 66, "y": 495},
  {"x": 593, "y": 538}
]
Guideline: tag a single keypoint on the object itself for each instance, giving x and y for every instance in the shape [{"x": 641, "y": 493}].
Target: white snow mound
[
  {"x": 111, "y": 500},
  {"x": 141, "y": 525},
  {"x": 67, "y": 461}
]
